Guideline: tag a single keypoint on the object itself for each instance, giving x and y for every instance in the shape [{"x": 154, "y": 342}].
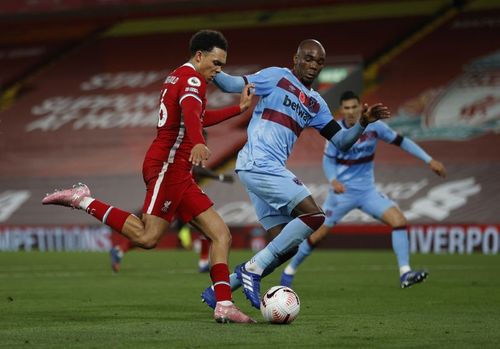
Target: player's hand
[
  {"x": 373, "y": 113},
  {"x": 338, "y": 187},
  {"x": 246, "y": 97},
  {"x": 199, "y": 155},
  {"x": 226, "y": 178},
  {"x": 438, "y": 168}
]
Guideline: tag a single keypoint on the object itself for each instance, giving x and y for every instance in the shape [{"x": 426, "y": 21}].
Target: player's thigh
[
  {"x": 336, "y": 206},
  {"x": 279, "y": 188},
  {"x": 268, "y": 216},
  {"x": 193, "y": 202},
  {"x": 306, "y": 206},
  {"x": 154, "y": 227},
  {"x": 394, "y": 217},
  {"x": 375, "y": 203},
  {"x": 210, "y": 223}
]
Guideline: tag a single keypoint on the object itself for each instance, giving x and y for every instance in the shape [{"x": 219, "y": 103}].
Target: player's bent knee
[
  {"x": 146, "y": 243},
  {"x": 222, "y": 237},
  {"x": 313, "y": 220}
]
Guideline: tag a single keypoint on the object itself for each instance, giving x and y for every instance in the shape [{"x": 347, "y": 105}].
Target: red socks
[
  {"x": 220, "y": 278},
  {"x": 109, "y": 215}
]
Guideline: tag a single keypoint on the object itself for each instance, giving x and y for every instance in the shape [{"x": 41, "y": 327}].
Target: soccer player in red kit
[{"x": 171, "y": 189}]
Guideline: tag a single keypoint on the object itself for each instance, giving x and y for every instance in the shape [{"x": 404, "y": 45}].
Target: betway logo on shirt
[{"x": 297, "y": 108}]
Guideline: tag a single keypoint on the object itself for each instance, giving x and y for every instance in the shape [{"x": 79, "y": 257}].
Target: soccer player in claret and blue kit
[
  {"x": 283, "y": 204},
  {"x": 170, "y": 187},
  {"x": 352, "y": 180}
]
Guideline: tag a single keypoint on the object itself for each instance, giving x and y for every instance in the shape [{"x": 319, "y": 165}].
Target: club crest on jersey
[
  {"x": 194, "y": 81},
  {"x": 313, "y": 105}
]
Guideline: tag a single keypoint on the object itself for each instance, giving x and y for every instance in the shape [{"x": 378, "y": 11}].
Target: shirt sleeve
[
  {"x": 191, "y": 110},
  {"x": 323, "y": 118},
  {"x": 329, "y": 162},
  {"x": 191, "y": 95},
  {"x": 229, "y": 83},
  {"x": 415, "y": 150},
  {"x": 265, "y": 80},
  {"x": 384, "y": 132},
  {"x": 213, "y": 117}
]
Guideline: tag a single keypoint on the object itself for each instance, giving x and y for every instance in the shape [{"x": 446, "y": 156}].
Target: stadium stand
[{"x": 89, "y": 114}]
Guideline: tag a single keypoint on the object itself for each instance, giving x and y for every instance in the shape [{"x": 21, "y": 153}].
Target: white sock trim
[
  {"x": 289, "y": 270},
  {"x": 254, "y": 267},
  {"x": 85, "y": 202},
  {"x": 222, "y": 283},
  {"x": 105, "y": 217},
  {"x": 404, "y": 269}
]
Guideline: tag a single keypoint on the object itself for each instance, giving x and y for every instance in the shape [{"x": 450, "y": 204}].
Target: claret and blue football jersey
[
  {"x": 355, "y": 166},
  {"x": 286, "y": 107}
]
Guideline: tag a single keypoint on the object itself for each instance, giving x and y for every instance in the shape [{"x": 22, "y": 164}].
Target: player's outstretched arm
[
  {"x": 213, "y": 117},
  {"x": 414, "y": 149},
  {"x": 229, "y": 83},
  {"x": 344, "y": 139}
]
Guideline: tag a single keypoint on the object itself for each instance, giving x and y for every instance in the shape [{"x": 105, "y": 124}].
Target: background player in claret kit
[
  {"x": 118, "y": 251},
  {"x": 350, "y": 174},
  {"x": 171, "y": 189},
  {"x": 284, "y": 206}
]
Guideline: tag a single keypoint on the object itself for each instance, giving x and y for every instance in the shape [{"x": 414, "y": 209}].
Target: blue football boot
[
  {"x": 208, "y": 297},
  {"x": 251, "y": 284},
  {"x": 116, "y": 258},
  {"x": 412, "y": 277},
  {"x": 286, "y": 279}
]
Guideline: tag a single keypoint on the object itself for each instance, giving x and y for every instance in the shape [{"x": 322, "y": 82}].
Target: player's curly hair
[{"x": 206, "y": 40}]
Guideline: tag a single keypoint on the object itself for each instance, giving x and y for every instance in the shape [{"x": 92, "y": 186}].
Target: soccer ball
[{"x": 280, "y": 305}]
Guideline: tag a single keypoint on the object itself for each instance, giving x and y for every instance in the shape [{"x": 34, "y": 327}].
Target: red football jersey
[{"x": 172, "y": 143}]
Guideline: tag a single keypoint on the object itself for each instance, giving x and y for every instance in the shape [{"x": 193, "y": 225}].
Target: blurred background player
[
  {"x": 283, "y": 204},
  {"x": 184, "y": 234},
  {"x": 171, "y": 189},
  {"x": 118, "y": 251},
  {"x": 350, "y": 173}
]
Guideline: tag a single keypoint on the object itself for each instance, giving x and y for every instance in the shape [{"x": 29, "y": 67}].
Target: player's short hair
[
  {"x": 347, "y": 95},
  {"x": 206, "y": 40}
]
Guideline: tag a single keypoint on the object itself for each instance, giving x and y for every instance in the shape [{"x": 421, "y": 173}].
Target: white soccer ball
[{"x": 280, "y": 305}]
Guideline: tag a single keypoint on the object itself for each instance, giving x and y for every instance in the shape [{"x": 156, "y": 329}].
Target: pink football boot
[
  {"x": 68, "y": 197},
  {"x": 230, "y": 313}
]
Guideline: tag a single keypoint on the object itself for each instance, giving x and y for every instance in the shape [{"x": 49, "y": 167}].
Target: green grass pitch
[{"x": 349, "y": 299}]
